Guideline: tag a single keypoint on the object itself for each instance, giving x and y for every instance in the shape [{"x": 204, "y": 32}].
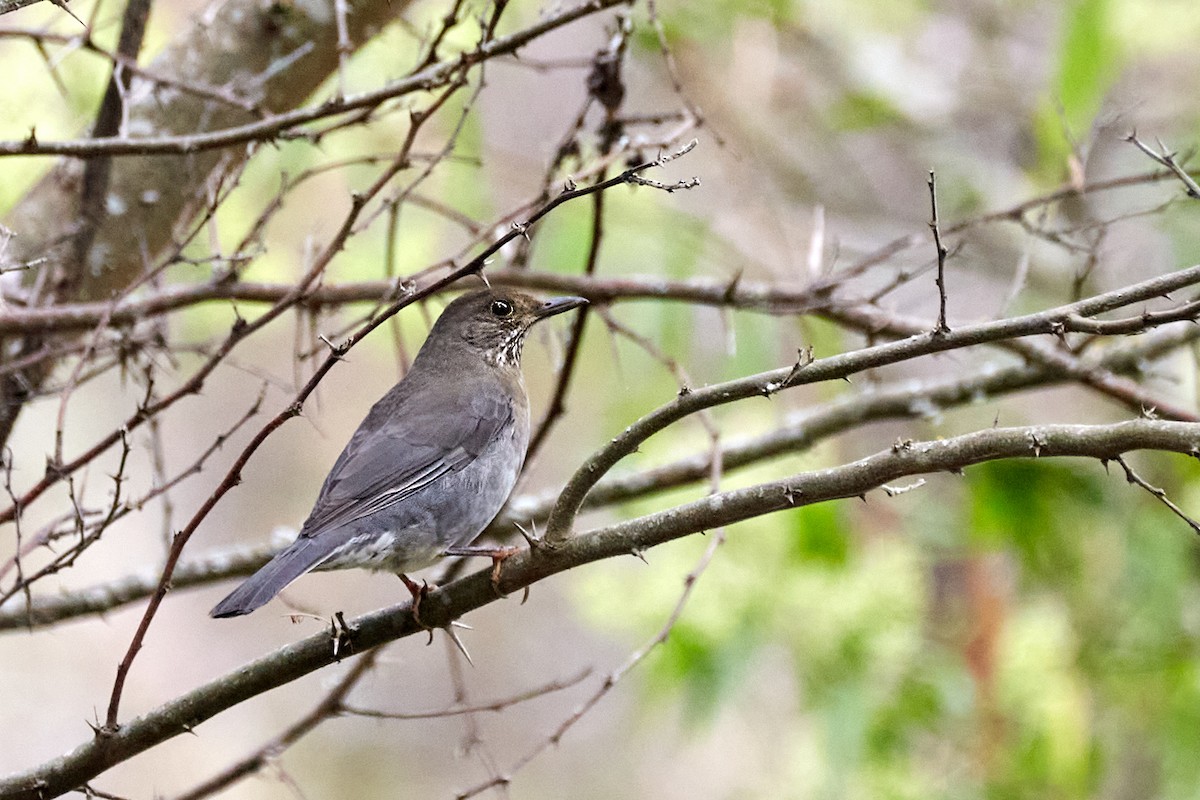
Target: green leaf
[{"x": 1089, "y": 60}]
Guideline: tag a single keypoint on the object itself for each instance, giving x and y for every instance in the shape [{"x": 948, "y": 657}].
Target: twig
[
  {"x": 330, "y": 706},
  {"x": 233, "y": 476},
  {"x": 557, "y": 405},
  {"x": 44, "y": 611},
  {"x": 612, "y": 679},
  {"x": 941, "y": 327},
  {"x": 762, "y": 297},
  {"x": 281, "y": 124},
  {"x": 1096, "y": 376},
  {"x": 473, "y": 708},
  {"x": 1167, "y": 159},
  {"x": 1160, "y": 494}
]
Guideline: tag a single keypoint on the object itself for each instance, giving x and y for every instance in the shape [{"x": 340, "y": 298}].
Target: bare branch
[
  {"x": 441, "y": 606},
  {"x": 1156, "y": 492},
  {"x": 1053, "y": 321},
  {"x": 288, "y": 123},
  {"x": 1167, "y": 159},
  {"x": 942, "y": 252},
  {"x": 795, "y": 435},
  {"x": 331, "y": 705},
  {"x": 474, "y": 708}
]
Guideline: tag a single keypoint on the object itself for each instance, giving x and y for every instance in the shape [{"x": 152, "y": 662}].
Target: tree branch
[
  {"x": 795, "y": 435},
  {"x": 181, "y": 715},
  {"x": 1053, "y": 321}
]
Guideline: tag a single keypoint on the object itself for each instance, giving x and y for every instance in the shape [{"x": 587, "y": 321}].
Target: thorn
[
  {"x": 343, "y": 636},
  {"x": 336, "y": 350},
  {"x": 457, "y": 643},
  {"x": 731, "y": 288},
  {"x": 62, "y": 4},
  {"x": 534, "y": 541}
]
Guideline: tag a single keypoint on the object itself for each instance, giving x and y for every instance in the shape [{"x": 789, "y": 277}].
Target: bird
[{"x": 434, "y": 460}]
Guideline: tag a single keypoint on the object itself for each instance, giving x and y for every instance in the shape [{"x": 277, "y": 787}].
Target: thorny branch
[
  {"x": 289, "y": 124},
  {"x": 1157, "y": 492},
  {"x": 129, "y": 332},
  {"x": 333, "y": 704},
  {"x": 1167, "y": 159},
  {"x": 233, "y": 476},
  {"x": 942, "y": 252},
  {"x": 441, "y": 606},
  {"x": 1053, "y": 321},
  {"x": 796, "y": 435}
]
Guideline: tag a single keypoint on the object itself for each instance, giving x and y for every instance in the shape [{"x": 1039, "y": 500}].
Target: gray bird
[{"x": 434, "y": 460}]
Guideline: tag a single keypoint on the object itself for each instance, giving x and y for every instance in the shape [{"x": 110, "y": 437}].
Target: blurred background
[{"x": 1023, "y": 630}]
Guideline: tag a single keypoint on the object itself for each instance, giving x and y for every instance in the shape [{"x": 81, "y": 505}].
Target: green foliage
[
  {"x": 1033, "y": 507},
  {"x": 1089, "y": 61},
  {"x": 1091, "y": 670},
  {"x": 713, "y": 22},
  {"x": 819, "y": 537},
  {"x": 864, "y": 110}
]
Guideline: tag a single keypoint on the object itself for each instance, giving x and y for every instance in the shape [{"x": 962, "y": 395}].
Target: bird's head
[{"x": 495, "y": 321}]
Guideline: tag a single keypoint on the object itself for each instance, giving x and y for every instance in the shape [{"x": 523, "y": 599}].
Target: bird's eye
[{"x": 501, "y": 308}]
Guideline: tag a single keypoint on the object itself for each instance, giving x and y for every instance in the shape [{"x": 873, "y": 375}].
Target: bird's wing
[{"x": 391, "y": 456}]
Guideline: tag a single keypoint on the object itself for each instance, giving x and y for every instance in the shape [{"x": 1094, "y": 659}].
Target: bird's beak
[{"x": 557, "y": 305}]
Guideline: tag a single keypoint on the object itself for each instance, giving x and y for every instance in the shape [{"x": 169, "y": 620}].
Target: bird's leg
[
  {"x": 418, "y": 594},
  {"x": 498, "y": 555}
]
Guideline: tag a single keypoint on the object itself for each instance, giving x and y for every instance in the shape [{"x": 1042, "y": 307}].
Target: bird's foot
[
  {"x": 498, "y": 555},
  {"x": 342, "y": 634},
  {"x": 418, "y": 593}
]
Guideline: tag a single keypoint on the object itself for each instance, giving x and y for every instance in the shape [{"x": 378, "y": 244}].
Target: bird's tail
[{"x": 301, "y": 556}]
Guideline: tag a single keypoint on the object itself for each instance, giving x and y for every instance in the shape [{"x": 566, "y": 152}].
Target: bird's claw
[
  {"x": 418, "y": 594},
  {"x": 498, "y": 555}
]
